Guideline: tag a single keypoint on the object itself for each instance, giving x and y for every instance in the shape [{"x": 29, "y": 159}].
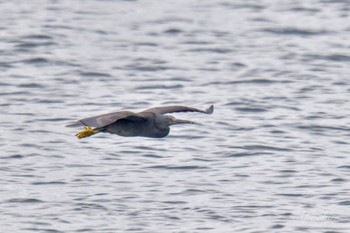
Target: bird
[{"x": 152, "y": 123}]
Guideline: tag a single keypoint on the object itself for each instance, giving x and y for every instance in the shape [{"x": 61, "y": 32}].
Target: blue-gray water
[{"x": 274, "y": 156}]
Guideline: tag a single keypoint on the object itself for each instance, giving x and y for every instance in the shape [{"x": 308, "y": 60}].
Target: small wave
[
  {"x": 44, "y": 230},
  {"x": 262, "y": 147},
  {"x": 247, "y": 109},
  {"x": 48, "y": 101},
  {"x": 146, "y": 68},
  {"x": 152, "y": 156},
  {"x": 147, "y": 44},
  {"x": 344, "y": 203},
  {"x": 259, "y": 81},
  {"x": 277, "y": 226},
  {"x": 17, "y": 156},
  {"x": 48, "y": 183},
  {"x": 29, "y": 45},
  {"x": 211, "y": 50},
  {"x": 291, "y": 194},
  {"x": 330, "y": 57},
  {"x": 24, "y": 200},
  {"x": 243, "y": 6},
  {"x": 16, "y": 93},
  {"x": 31, "y": 85},
  {"x": 173, "y": 31},
  {"x": 94, "y": 74},
  {"x": 37, "y": 60},
  {"x": 339, "y": 180},
  {"x": 320, "y": 128},
  {"x": 41, "y": 61},
  {"x": 175, "y": 202},
  {"x": 38, "y": 37},
  {"x": 295, "y": 31},
  {"x": 92, "y": 206},
  {"x": 247, "y": 154},
  {"x": 305, "y": 9},
  {"x": 196, "y": 42},
  {"x": 177, "y": 167},
  {"x": 192, "y": 191},
  {"x": 249, "y": 81},
  {"x": 159, "y": 87},
  {"x": 4, "y": 84}
]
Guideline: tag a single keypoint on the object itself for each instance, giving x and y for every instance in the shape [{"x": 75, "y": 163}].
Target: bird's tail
[{"x": 87, "y": 132}]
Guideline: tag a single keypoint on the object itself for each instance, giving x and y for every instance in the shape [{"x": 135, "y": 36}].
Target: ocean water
[{"x": 274, "y": 156}]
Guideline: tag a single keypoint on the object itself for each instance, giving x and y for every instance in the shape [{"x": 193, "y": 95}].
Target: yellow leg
[{"x": 88, "y": 131}]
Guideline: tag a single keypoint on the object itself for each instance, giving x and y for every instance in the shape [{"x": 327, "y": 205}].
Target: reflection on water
[{"x": 273, "y": 157}]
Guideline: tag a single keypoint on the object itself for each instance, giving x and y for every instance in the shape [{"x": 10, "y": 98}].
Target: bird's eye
[{"x": 171, "y": 118}]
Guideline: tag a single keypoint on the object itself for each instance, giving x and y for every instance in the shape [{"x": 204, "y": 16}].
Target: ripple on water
[
  {"x": 25, "y": 200},
  {"x": 185, "y": 168},
  {"x": 290, "y": 31}
]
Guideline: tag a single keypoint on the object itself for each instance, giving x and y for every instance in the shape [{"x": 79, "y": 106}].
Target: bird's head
[
  {"x": 164, "y": 121},
  {"x": 173, "y": 121}
]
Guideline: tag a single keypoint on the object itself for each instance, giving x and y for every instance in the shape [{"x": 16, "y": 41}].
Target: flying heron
[{"x": 149, "y": 123}]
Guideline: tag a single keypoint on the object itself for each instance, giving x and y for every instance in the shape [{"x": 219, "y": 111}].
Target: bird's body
[
  {"x": 149, "y": 123},
  {"x": 145, "y": 126}
]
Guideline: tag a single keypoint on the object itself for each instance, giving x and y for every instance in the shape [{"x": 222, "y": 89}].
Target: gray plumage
[{"x": 149, "y": 123}]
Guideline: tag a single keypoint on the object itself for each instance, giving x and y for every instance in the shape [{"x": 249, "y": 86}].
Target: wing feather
[
  {"x": 107, "y": 119},
  {"x": 172, "y": 109}
]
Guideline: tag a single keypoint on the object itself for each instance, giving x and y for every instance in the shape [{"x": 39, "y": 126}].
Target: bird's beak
[{"x": 179, "y": 121}]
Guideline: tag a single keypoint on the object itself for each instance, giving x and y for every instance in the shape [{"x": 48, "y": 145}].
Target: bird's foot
[{"x": 88, "y": 131}]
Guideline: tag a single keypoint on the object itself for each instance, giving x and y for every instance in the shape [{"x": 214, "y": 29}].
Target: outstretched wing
[
  {"x": 107, "y": 119},
  {"x": 171, "y": 109}
]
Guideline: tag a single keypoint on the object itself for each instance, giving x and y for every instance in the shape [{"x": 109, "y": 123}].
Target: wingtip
[
  {"x": 210, "y": 110},
  {"x": 76, "y": 123},
  {"x": 73, "y": 124}
]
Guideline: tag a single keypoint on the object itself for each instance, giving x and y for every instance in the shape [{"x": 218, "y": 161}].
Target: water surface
[{"x": 272, "y": 158}]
